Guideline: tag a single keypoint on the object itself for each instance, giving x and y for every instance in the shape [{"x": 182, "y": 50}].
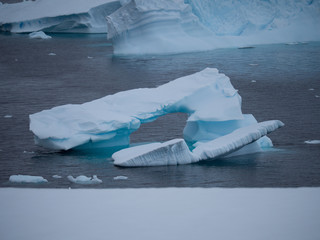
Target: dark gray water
[{"x": 32, "y": 81}]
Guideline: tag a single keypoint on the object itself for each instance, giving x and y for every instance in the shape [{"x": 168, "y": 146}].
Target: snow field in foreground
[{"x": 172, "y": 213}]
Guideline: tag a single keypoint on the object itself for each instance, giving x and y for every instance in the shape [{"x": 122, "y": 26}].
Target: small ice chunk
[
  {"x": 253, "y": 64},
  {"x": 52, "y": 54},
  {"x": 311, "y": 89},
  {"x": 312, "y": 141},
  {"x": 27, "y": 179},
  {"x": 120, "y": 178},
  {"x": 7, "y": 116},
  {"x": 253, "y": 81},
  {"x": 39, "y": 34},
  {"x": 90, "y": 57},
  {"x": 16, "y": 59},
  {"x": 56, "y": 176},
  {"x": 31, "y": 152},
  {"x": 85, "y": 180},
  {"x": 317, "y": 96}
]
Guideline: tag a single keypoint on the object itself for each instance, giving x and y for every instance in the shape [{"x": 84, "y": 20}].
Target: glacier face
[
  {"x": 206, "y": 96},
  {"x": 149, "y": 27},
  {"x": 79, "y": 16},
  {"x": 170, "y": 26}
]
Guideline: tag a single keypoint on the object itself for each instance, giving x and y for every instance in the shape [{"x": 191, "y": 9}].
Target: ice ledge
[{"x": 176, "y": 151}]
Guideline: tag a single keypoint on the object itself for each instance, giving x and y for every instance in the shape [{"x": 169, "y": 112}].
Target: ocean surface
[{"x": 279, "y": 81}]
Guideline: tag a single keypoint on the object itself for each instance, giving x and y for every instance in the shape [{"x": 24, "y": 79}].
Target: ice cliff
[
  {"x": 57, "y": 16},
  {"x": 148, "y": 27},
  {"x": 170, "y": 26},
  {"x": 208, "y": 97}
]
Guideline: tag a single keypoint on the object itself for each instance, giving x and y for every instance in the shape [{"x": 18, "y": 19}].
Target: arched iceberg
[{"x": 212, "y": 104}]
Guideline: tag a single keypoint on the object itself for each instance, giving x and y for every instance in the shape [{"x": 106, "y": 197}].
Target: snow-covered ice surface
[
  {"x": 149, "y": 27},
  {"x": 57, "y": 16},
  {"x": 27, "y": 179},
  {"x": 177, "y": 152},
  {"x": 85, "y": 180},
  {"x": 39, "y": 34},
  {"x": 172, "y": 213}
]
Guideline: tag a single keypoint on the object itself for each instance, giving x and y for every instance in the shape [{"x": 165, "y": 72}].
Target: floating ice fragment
[
  {"x": 27, "y": 179},
  {"x": 90, "y": 57},
  {"x": 56, "y": 176},
  {"x": 312, "y": 141},
  {"x": 120, "y": 178},
  {"x": 253, "y": 64},
  {"x": 7, "y": 116},
  {"x": 292, "y": 43},
  {"x": 29, "y": 152},
  {"x": 176, "y": 151},
  {"x": 317, "y": 96},
  {"x": 39, "y": 34},
  {"x": 311, "y": 89},
  {"x": 52, "y": 54},
  {"x": 253, "y": 81},
  {"x": 85, "y": 180}
]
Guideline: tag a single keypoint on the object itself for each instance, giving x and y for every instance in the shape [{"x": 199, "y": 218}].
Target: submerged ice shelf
[{"x": 212, "y": 104}]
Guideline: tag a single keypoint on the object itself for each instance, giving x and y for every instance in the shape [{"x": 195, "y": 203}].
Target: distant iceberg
[
  {"x": 150, "y": 27},
  {"x": 170, "y": 26},
  {"x": 208, "y": 97},
  {"x": 80, "y": 16}
]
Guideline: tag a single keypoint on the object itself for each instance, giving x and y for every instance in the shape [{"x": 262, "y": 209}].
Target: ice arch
[{"x": 209, "y": 99}]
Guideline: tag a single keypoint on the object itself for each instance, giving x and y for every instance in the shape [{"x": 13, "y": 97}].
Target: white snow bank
[
  {"x": 151, "y": 27},
  {"x": 85, "y": 180},
  {"x": 143, "y": 214},
  {"x": 57, "y": 15},
  {"x": 39, "y": 34},
  {"x": 177, "y": 152},
  {"x": 27, "y": 179},
  {"x": 312, "y": 141}
]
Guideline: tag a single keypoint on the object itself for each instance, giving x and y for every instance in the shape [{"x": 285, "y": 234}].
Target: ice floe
[
  {"x": 312, "y": 141},
  {"x": 120, "y": 178},
  {"x": 27, "y": 179},
  {"x": 85, "y": 180},
  {"x": 39, "y": 34}
]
